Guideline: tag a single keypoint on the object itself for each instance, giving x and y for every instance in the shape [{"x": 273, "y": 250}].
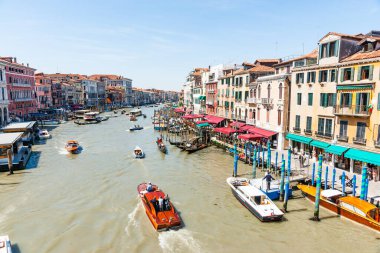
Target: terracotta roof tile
[
  {"x": 362, "y": 55},
  {"x": 312, "y": 54},
  {"x": 261, "y": 68},
  {"x": 268, "y": 60}
]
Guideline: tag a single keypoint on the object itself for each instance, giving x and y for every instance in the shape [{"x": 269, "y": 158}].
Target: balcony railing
[
  {"x": 342, "y": 138},
  {"x": 267, "y": 101},
  {"x": 307, "y": 131},
  {"x": 323, "y": 135},
  {"x": 253, "y": 100},
  {"x": 21, "y": 84},
  {"x": 354, "y": 110},
  {"x": 22, "y": 99},
  {"x": 280, "y": 102},
  {"x": 209, "y": 103},
  {"x": 360, "y": 140},
  {"x": 211, "y": 91},
  {"x": 251, "y": 121},
  {"x": 296, "y": 129}
]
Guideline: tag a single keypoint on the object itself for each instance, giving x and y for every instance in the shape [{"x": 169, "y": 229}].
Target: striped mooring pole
[
  {"x": 282, "y": 180},
  {"x": 254, "y": 163},
  {"x": 318, "y": 191},
  {"x": 363, "y": 185}
]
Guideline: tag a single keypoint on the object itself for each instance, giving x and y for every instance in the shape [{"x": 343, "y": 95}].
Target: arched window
[
  {"x": 259, "y": 91},
  {"x": 280, "y": 91},
  {"x": 268, "y": 88}
]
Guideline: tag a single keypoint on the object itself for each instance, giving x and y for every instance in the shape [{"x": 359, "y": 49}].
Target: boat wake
[
  {"x": 178, "y": 241},
  {"x": 132, "y": 219},
  {"x": 63, "y": 151}
]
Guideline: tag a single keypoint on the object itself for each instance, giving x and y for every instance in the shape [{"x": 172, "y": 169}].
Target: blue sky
[{"x": 157, "y": 42}]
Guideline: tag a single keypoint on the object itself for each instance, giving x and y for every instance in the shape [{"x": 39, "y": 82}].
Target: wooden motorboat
[
  {"x": 72, "y": 146},
  {"x": 43, "y": 134},
  {"x": 136, "y": 127},
  {"x": 274, "y": 192},
  {"x": 350, "y": 207},
  {"x": 161, "y": 219},
  {"x": 132, "y": 118},
  {"x": 161, "y": 146},
  {"x": 5, "y": 244},
  {"x": 254, "y": 200},
  {"x": 138, "y": 153},
  {"x": 195, "y": 144}
]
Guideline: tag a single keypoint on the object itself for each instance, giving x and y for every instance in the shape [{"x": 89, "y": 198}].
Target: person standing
[
  {"x": 161, "y": 203},
  {"x": 268, "y": 177}
]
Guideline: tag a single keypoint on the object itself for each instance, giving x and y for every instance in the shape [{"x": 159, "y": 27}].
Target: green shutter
[
  {"x": 321, "y": 99},
  {"x": 333, "y": 99},
  {"x": 336, "y": 48},
  {"x": 378, "y": 101},
  {"x": 359, "y": 73},
  {"x": 352, "y": 74},
  {"x": 320, "y": 76},
  {"x": 370, "y": 72},
  {"x": 325, "y": 99},
  {"x": 350, "y": 99},
  {"x": 320, "y": 51},
  {"x": 341, "y": 99},
  {"x": 308, "y": 77},
  {"x": 357, "y": 103},
  {"x": 341, "y": 75}
]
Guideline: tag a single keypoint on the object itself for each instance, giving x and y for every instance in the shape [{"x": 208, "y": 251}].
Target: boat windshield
[{"x": 260, "y": 200}]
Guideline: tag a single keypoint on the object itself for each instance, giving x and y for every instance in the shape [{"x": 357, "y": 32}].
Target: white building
[
  {"x": 4, "y": 113},
  {"x": 90, "y": 93}
]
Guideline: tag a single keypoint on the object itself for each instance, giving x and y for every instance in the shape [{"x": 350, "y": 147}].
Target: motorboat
[
  {"x": 5, "y": 244},
  {"x": 132, "y": 118},
  {"x": 72, "y": 146},
  {"x": 161, "y": 145},
  {"x": 164, "y": 217},
  {"x": 144, "y": 115},
  {"x": 91, "y": 116},
  {"x": 256, "y": 201},
  {"x": 136, "y": 112},
  {"x": 43, "y": 134},
  {"x": 350, "y": 207},
  {"x": 138, "y": 153},
  {"x": 136, "y": 127},
  {"x": 79, "y": 114},
  {"x": 274, "y": 192}
]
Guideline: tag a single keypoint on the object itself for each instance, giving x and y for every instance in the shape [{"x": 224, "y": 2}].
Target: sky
[{"x": 158, "y": 42}]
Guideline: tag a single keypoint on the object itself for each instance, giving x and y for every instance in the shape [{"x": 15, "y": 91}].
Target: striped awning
[
  {"x": 336, "y": 150},
  {"x": 319, "y": 144},
  {"x": 299, "y": 138},
  {"x": 354, "y": 87}
]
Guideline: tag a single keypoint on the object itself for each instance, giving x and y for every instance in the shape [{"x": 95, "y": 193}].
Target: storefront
[
  {"x": 319, "y": 149},
  {"x": 338, "y": 160},
  {"x": 360, "y": 159},
  {"x": 300, "y": 143}
]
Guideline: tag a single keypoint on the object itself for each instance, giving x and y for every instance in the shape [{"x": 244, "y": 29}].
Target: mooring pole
[
  {"x": 269, "y": 162},
  {"x": 326, "y": 176},
  {"x": 313, "y": 175},
  {"x": 282, "y": 180},
  {"x": 254, "y": 163},
  {"x": 344, "y": 183},
  {"x": 354, "y": 185},
  {"x": 286, "y": 194},
  {"x": 333, "y": 178},
  {"x": 235, "y": 162},
  {"x": 364, "y": 177},
  {"x": 10, "y": 161},
  {"x": 318, "y": 191}
]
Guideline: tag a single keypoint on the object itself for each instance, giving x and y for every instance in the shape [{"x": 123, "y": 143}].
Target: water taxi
[
  {"x": 136, "y": 112},
  {"x": 91, "y": 116},
  {"x": 135, "y": 128},
  {"x": 43, "y": 134},
  {"x": 5, "y": 244},
  {"x": 79, "y": 114},
  {"x": 72, "y": 146},
  {"x": 138, "y": 153},
  {"x": 274, "y": 192},
  {"x": 254, "y": 200},
  {"x": 162, "y": 217},
  {"x": 350, "y": 207}
]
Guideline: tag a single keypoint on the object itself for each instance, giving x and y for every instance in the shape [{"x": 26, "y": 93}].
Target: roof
[
  {"x": 251, "y": 190},
  {"x": 362, "y": 56},
  {"x": 246, "y": 127},
  {"x": 7, "y": 139},
  {"x": 350, "y": 36},
  {"x": 21, "y": 125},
  {"x": 363, "y": 156},
  {"x": 267, "y": 61},
  {"x": 249, "y": 136},
  {"x": 331, "y": 193},
  {"x": 312, "y": 54},
  {"x": 358, "y": 203},
  {"x": 108, "y": 76},
  {"x": 261, "y": 68},
  {"x": 225, "y": 130}
]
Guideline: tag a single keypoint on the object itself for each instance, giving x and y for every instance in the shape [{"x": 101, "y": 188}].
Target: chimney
[
  {"x": 209, "y": 67},
  {"x": 27, "y": 65},
  {"x": 15, "y": 60}
]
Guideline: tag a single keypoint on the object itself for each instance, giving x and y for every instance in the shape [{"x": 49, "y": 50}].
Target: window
[
  {"x": 299, "y": 63},
  {"x": 327, "y": 99},
  {"x": 328, "y": 127},
  {"x": 329, "y": 49},
  {"x": 310, "y": 99},
  {"x": 378, "y": 101},
  {"x": 258, "y": 113},
  {"x": 360, "y": 131},
  {"x": 259, "y": 95},
  {"x": 222, "y": 81},
  {"x": 1, "y": 75},
  {"x": 268, "y": 115},
  {"x": 368, "y": 47},
  {"x": 365, "y": 72},
  {"x": 280, "y": 91},
  {"x": 343, "y": 128},
  {"x": 333, "y": 75},
  {"x": 299, "y": 98},
  {"x": 323, "y": 76},
  {"x": 299, "y": 78},
  {"x": 323, "y": 53},
  {"x": 268, "y": 88},
  {"x": 279, "y": 117},
  {"x": 321, "y": 126},
  {"x": 298, "y": 121},
  {"x": 311, "y": 77},
  {"x": 345, "y": 99},
  {"x": 308, "y": 124},
  {"x": 347, "y": 74}
]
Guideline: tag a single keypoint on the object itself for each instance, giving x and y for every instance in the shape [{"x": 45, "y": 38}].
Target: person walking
[{"x": 268, "y": 177}]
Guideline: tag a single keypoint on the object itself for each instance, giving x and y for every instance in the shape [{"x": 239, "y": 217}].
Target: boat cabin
[
  {"x": 20, "y": 153},
  {"x": 331, "y": 195},
  {"x": 28, "y": 130},
  {"x": 79, "y": 114},
  {"x": 360, "y": 207},
  {"x": 136, "y": 112}
]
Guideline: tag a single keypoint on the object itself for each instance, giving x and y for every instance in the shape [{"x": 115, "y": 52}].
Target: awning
[
  {"x": 246, "y": 127},
  {"x": 179, "y": 109},
  {"x": 225, "y": 130},
  {"x": 203, "y": 125},
  {"x": 202, "y": 97},
  {"x": 319, "y": 144},
  {"x": 262, "y": 132},
  {"x": 354, "y": 87},
  {"x": 363, "y": 156},
  {"x": 214, "y": 119},
  {"x": 249, "y": 137},
  {"x": 237, "y": 124},
  {"x": 336, "y": 150},
  {"x": 299, "y": 138},
  {"x": 192, "y": 116}
]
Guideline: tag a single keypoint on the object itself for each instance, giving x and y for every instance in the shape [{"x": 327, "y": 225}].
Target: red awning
[
  {"x": 237, "y": 124},
  {"x": 249, "y": 137},
  {"x": 246, "y": 127},
  {"x": 179, "y": 109},
  {"x": 201, "y": 121},
  {"x": 259, "y": 131},
  {"x": 214, "y": 119},
  {"x": 192, "y": 116},
  {"x": 225, "y": 130}
]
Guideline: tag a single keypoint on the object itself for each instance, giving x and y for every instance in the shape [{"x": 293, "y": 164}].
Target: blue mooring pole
[
  {"x": 289, "y": 161},
  {"x": 326, "y": 177},
  {"x": 313, "y": 175},
  {"x": 235, "y": 161},
  {"x": 269, "y": 162},
  {"x": 364, "y": 177},
  {"x": 254, "y": 163},
  {"x": 354, "y": 185},
  {"x": 366, "y": 189},
  {"x": 344, "y": 183},
  {"x": 286, "y": 193},
  {"x": 275, "y": 166},
  {"x": 282, "y": 180},
  {"x": 333, "y": 178},
  {"x": 318, "y": 191},
  {"x": 262, "y": 168}
]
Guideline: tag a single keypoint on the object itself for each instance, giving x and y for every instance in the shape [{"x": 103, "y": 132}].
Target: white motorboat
[
  {"x": 5, "y": 244},
  {"x": 274, "y": 192},
  {"x": 44, "y": 134},
  {"x": 138, "y": 153},
  {"x": 254, "y": 200},
  {"x": 136, "y": 112}
]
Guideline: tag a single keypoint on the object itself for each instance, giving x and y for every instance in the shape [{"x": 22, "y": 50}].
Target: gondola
[
  {"x": 135, "y": 128},
  {"x": 161, "y": 146}
]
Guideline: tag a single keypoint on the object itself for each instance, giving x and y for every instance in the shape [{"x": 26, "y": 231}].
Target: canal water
[{"x": 88, "y": 202}]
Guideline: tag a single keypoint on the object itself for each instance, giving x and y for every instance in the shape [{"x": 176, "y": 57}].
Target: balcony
[
  {"x": 21, "y": 84},
  {"x": 253, "y": 100},
  {"x": 267, "y": 101},
  {"x": 211, "y": 91},
  {"x": 307, "y": 131},
  {"x": 360, "y": 140},
  {"x": 323, "y": 135},
  {"x": 280, "y": 102},
  {"x": 210, "y": 103},
  {"x": 296, "y": 129},
  {"x": 354, "y": 110},
  {"x": 251, "y": 121},
  {"x": 342, "y": 138}
]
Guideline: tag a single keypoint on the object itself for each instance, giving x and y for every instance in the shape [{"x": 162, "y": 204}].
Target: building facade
[
  {"x": 4, "y": 102},
  {"x": 43, "y": 91}
]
